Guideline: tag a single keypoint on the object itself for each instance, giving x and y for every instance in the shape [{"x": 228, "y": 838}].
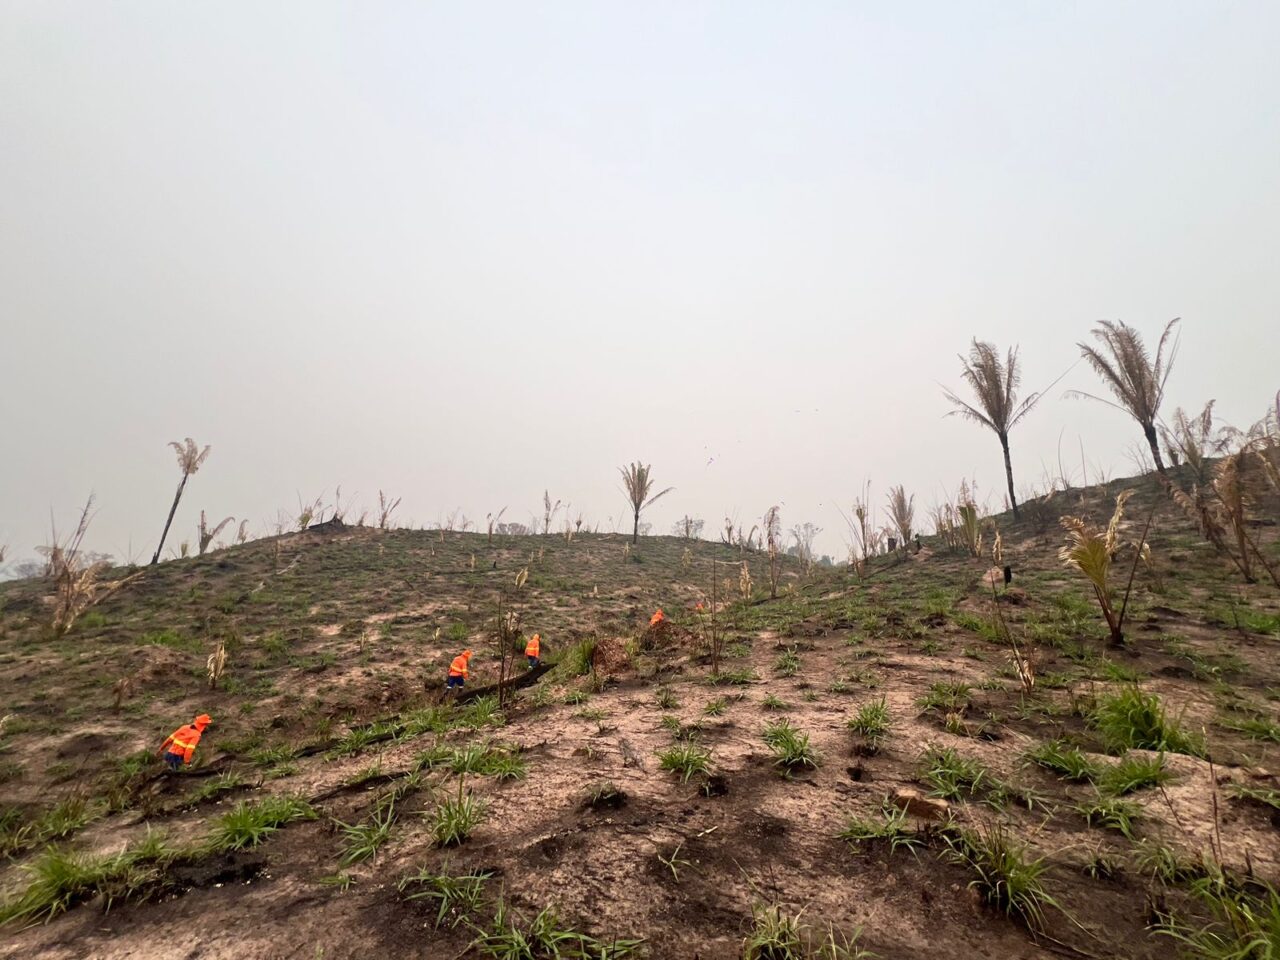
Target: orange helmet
[
  {"x": 467, "y": 654},
  {"x": 202, "y": 721}
]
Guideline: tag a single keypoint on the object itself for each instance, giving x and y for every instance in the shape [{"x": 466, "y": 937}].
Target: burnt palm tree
[
  {"x": 995, "y": 386},
  {"x": 1127, "y": 369},
  {"x": 190, "y": 458},
  {"x": 636, "y": 484}
]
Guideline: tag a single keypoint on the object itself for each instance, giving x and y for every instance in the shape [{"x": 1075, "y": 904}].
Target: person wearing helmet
[
  {"x": 180, "y": 745},
  {"x": 533, "y": 650},
  {"x": 458, "y": 671}
]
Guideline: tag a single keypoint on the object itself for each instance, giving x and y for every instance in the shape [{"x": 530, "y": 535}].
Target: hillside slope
[{"x": 337, "y": 646}]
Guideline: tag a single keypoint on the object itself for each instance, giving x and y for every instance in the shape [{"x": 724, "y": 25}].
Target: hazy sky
[{"x": 465, "y": 252}]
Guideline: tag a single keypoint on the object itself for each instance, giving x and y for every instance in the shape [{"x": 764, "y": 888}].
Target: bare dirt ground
[{"x": 683, "y": 865}]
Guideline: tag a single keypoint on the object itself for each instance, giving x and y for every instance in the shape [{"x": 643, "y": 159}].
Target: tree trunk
[
  {"x": 172, "y": 510},
  {"x": 1150, "y": 432},
  {"x": 635, "y": 530},
  {"x": 1008, "y": 474}
]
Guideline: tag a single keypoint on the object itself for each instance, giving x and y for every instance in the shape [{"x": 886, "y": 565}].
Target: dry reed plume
[
  {"x": 190, "y": 459},
  {"x": 637, "y": 484},
  {"x": 773, "y": 539},
  {"x": 1093, "y": 553},
  {"x": 902, "y": 512},
  {"x": 995, "y": 385},
  {"x": 1127, "y": 369}
]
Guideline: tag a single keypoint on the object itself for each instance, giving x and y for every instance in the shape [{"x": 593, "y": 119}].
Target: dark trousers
[
  {"x": 533, "y": 662},
  {"x": 452, "y": 682},
  {"x": 173, "y": 760}
]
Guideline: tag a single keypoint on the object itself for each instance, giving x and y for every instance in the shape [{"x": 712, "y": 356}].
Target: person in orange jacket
[
  {"x": 459, "y": 671},
  {"x": 180, "y": 745},
  {"x": 657, "y": 618},
  {"x": 533, "y": 650}
]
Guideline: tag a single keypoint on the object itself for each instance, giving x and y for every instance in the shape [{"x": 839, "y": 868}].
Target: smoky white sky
[{"x": 466, "y": 252}]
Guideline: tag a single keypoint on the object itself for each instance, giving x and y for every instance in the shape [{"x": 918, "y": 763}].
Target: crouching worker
[
  {"x": 180, "y": 745},
  {"x": 458, "y": 671},
  {"x": 533, "y": 650}
]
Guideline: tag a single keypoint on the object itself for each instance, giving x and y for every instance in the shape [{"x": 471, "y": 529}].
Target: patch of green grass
[
  {"x": 1134, "y": 772},
  {"x": 173, "y": 640},
  {"x": 363, "y": 839},
  {"x": 456, "y": 896},
  {"x": 1107, "y": 669},
  {"x": 342, "y": 880},
  {"x": 774, "y": 935},
  {"x": 248, "y": 824},
  {"x": 947, "y": 697},
  {"x": 1262, "y": 795},
  {"x": 1243, "y": 923},
  {"x": 666, "y": 700},
  {"x": 774, "y": 702},
  {"x": 60, "y": 879},
  {"x": 1005, "y": 876},
  {"x": 1130, "y": 719},
  {"x": 455, "y": 818},
  {"x": 56, "y": 823},
  {"x": 949, "y": 775},
  {"x": 788, "y": 663},
  {"x": 891, "y": 828},
  {"x": 1067, "y": 761},
  {"x": 1110, "y": 812},
  {"x": 481, "y": 712},
  {"x": 1161, "y": 862},
  {"x": 716, "y": 707},
  {"x": 509, "y": 937},
  {"x": 575, "y": 661},
  {"x": 791, "y": 748},
  {"x": 733, "y": 678},
  {"x": 1256, "y": 727},
  {"x": 685, "y": 760},
  {"x": 217, "y": 786},
  {"x": 872, "y": 721}
]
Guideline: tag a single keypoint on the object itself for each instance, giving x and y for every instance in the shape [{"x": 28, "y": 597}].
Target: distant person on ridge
[
  {"x": 458, "y": 671},
  {"x": 533, "y": 650},
  {"x": 657, "y": 618},
  {"x": 180, "y": 745}
]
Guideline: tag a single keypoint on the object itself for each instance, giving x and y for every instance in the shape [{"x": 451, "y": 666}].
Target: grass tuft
[
  {"x": 247, "y": 824},
  {"x": 686, "y": 760},
  {"x": 1132, "y": 720},
  {"x": 1005, "y": 877}
]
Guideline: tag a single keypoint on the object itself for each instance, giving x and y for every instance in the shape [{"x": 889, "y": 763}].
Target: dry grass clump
[
  {"x": 77, "y": 579},
  {"x": 1093, "y": 552},
  {"x": 902, "y": 512},
  {"x": 773, "y": 539},
  {"x": 207, "y": 535},
  {"x": 1223, "y": 507}
]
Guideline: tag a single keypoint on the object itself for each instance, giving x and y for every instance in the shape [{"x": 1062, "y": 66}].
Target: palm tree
[
  {"x": 636, "y": 483},
  {"x": 995, "y": 385},
  {"x": 1127, "y": 369},
  {"x": 190, "y": 458}
]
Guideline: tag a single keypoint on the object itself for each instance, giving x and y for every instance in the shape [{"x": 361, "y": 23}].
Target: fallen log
[{"x": 526, "y": 679}]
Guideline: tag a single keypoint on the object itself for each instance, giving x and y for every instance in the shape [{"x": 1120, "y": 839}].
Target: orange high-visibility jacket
[
  {"x": 459, "y": 667},
  {"x": 182, "y": 742},
  {"x": 533, "y": 646},
  {"x": 657, "y": 618}
]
